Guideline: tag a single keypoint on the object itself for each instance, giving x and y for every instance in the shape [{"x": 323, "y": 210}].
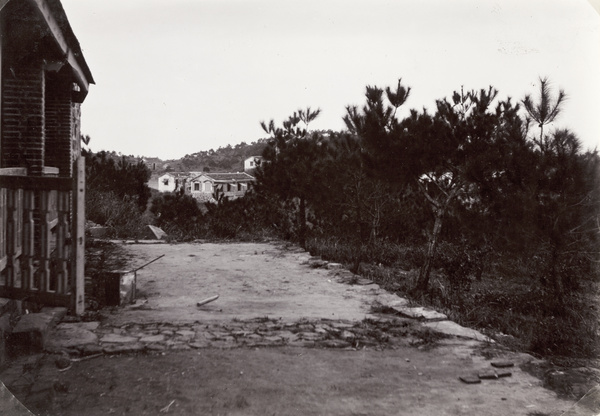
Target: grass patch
[{"x": 504, "y": 302}]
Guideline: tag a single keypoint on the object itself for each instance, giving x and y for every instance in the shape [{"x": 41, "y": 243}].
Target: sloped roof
[
  {"x": 177, "y": 175},
  {"x": 227, "y": 177},
  {"x": 59, "y": 13},
  {"x": 49, "y": 17}
]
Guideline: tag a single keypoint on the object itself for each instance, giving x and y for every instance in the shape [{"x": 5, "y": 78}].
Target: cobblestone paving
[{"x": 159, "y": 337}]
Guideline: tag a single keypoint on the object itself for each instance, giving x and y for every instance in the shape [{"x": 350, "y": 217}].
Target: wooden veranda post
[{"x": 79, "y": 235}]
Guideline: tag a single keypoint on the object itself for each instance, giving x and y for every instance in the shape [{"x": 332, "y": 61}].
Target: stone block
[
  {"x": 186, "y": 333},
  {"x": 452, "y": 328},
  {"x": 117, "y": 339},
  {"x": 154, "y": 233},
  {"x": 153, "y": 338},
  {"x": 347, "y": 335},
  {"x": 30, "y": 333},
  {"x": 98, "y": 232},
  {"x": 420, "y": 313},
  {"x": 57, "y": 313},
  {"x": 488, "y": 375},
  {"x": 88, "y": 326},
  {"x": 502, "y": 364},
  {"x": 71, "y": 335},
  {"x": 470, "y": 379}
]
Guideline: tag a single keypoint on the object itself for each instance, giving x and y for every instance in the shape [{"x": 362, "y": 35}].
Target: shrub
[
  {"x": 175, "y": 210},
  {"x": 121, "y": 215}
]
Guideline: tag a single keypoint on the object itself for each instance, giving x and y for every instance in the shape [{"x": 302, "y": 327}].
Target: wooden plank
[
  {"x": 79, "y": 236},
  {"x": 3, "y": 226},
  {"x": 38, "y": 183},
  {"x": 45, "y": 248},
  {"x": 62, "y": 254},
  {"x": 50, "y": 299},
  {"x": 28, "y": 240},
  {"x": 11, "y": 235},
  {"x": 13, "y": 171}
]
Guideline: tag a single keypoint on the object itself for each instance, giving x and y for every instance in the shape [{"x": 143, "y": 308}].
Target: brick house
[
  {"x": 44, "y": 80},
  {"x": 231, "y": 185}
]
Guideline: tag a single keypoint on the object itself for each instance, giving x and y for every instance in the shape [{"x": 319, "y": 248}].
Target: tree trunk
[
  {"x": 555, "y": 277},
  {"x": 302, "y": 223},
  {"x": 423, "y": 280}
]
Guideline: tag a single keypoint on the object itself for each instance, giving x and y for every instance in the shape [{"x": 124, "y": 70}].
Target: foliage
[
  {"x": 121, "y": 215},
  {"x": 468, "y": 180},
  {"x": 175, "y": 208},
  {"x": 122, "y": 177},
  {"x": 290, "y": 170}
]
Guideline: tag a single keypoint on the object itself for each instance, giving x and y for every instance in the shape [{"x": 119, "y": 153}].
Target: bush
[
  {"x": 175, "y": 210},
  {"x": 121, "y": 215}
]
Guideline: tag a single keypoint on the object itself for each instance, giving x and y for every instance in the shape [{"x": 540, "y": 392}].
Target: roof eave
[{"x": 70, "y": 48}]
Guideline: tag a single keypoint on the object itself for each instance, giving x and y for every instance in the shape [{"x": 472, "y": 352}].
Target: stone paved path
[
  {"x": 84, "y": 339},
  {"x": 270, "y": 295}
]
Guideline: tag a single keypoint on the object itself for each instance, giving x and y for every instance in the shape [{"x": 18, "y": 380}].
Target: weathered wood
[
  {"x": 78, "y": 278},
  {"x": 62, "y": 255},
  {"x": 207, "y": 300},
  {"x": 36, "y": 183},
  {"x": 44, "y": 247},
  {"x": 28, "y": 240},
  {"x": 38, "y": 235},
  {"x": 14, "y": 235},
  {"x": 3, "y": 221},
  {"x": 49, "y": 299}
]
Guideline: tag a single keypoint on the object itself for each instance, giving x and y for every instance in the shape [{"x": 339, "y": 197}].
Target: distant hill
[{"x": 224, "y": 159}]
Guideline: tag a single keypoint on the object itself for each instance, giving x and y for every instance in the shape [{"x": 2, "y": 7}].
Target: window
[
  {"x": 196, "y": 186},
  {"x": 207, "y": 187},
  {"x": 165, "y": 181},
  {"x": 239, "y": 186},
  {"x": 251, "y": 164},
  {"x": 228, "y": 187}
]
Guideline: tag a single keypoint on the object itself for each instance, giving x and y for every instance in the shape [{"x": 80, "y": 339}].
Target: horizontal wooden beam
[
  {"x": 49, "y": 298},
  {"x": 36, "y": 183}
]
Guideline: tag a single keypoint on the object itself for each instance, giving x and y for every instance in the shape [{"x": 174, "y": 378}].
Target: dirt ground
[{"x": 398, "y": 368}]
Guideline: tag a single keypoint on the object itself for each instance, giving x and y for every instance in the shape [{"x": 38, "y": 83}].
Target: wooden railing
[{"x": 38, "y": 253}]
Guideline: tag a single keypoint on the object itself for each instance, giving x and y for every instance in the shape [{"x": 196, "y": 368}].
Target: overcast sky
[{"x": 174, "y": 77}]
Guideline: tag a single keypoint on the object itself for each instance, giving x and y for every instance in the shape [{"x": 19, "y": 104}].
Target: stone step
[{"x": 30, "y": 334}]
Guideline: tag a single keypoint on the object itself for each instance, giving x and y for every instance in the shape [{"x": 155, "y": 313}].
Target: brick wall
[
  {"x": 58, "y": 112},
  {"x": 40, "y": 123},
  {"x": 23, "y": 125}
]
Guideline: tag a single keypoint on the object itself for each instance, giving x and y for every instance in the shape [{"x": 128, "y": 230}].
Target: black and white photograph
[{"x": 262, "y": 207}]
